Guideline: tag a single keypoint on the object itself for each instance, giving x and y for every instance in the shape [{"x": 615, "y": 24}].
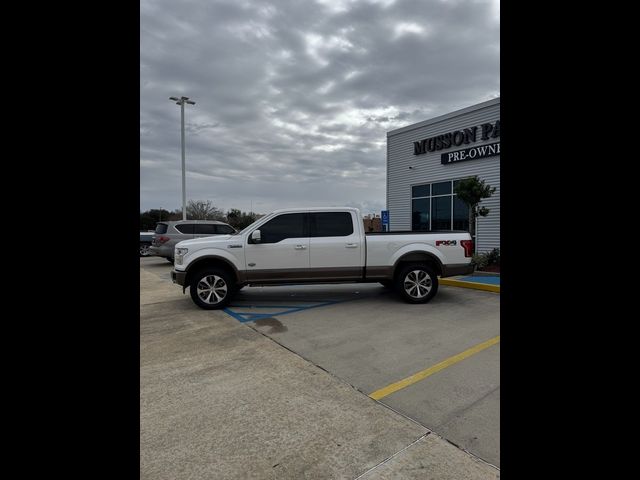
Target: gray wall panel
[{"x": 427, "y": 168}]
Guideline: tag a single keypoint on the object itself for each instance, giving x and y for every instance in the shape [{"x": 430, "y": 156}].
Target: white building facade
[{"x": 424, "y": 162}]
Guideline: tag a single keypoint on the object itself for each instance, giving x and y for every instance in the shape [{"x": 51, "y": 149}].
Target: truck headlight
[{"x": 179, "y": 255}]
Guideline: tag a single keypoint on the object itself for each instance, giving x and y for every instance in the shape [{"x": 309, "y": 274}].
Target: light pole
[{"x": 181, "y": 101}]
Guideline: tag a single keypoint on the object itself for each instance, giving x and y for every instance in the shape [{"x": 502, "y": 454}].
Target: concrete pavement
[{"x": 220, "y": 400}]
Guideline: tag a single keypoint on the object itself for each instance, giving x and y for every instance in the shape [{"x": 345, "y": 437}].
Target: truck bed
[
  {"x": 415, "y": 232},
  {"x": 381, "y": 252}
]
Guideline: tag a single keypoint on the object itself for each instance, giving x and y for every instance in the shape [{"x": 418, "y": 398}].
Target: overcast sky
[{"x": 294, "y": 97}]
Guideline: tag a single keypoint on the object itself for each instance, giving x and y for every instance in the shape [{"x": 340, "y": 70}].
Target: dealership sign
[
  {"x": 472, "y": 153},
  {"x": 484, "y": 132}
]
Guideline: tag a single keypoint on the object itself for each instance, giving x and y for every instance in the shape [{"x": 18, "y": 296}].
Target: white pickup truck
[{"x": 318, "y": 245}]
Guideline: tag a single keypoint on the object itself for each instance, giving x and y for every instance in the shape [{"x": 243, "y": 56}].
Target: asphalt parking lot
[{"x": 435, "y": 364}]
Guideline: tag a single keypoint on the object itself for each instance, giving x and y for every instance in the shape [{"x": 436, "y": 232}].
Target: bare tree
[
  {"x": 150, "y": 218},
  {"x": 239, "y": 220},
  {"x": 203, "y": 210}
]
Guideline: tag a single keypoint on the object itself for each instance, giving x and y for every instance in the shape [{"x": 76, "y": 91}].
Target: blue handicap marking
[
  {"x": 280, "y": 310},
  {"x": 479, "y": 279}
]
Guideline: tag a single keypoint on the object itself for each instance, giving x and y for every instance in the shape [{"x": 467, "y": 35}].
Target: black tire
[
  {"x": 388, "y": 284},
  {"x": 170, "y": 260},
  {"x": 206, "y": 297},
  {"x": 416, "y": 283},
  {"x": 144, "y": 249}
]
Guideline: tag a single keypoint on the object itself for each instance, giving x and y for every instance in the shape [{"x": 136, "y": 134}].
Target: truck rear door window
[{"x": 331, "y": 224}]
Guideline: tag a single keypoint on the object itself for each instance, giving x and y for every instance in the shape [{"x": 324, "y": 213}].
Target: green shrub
[
  {"x": 479, "y": 260},
  {"x": 493, "y": 257},
  {"x": 482, "y": 260}
]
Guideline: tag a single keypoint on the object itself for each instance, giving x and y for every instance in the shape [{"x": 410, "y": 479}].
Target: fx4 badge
[{"x": 446, "y": 242}]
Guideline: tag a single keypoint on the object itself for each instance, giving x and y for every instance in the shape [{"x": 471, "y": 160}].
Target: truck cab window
[
  {"x": 290, "y": 225},
  {"x": 331, "y": 224}
]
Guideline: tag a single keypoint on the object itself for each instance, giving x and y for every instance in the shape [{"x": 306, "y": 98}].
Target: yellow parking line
[
  {"x": 474, "y": 285},
  {"x": 416, "y": 377}
]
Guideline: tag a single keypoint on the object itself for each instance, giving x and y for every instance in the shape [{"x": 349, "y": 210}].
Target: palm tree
[{"x": 471, "y": 191}]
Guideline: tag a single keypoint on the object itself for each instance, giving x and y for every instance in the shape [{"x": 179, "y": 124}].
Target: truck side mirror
[{"x": 256, "y": 236}]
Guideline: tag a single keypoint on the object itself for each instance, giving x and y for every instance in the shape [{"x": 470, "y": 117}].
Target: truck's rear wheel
[
  {"x": 211, "y": 288},
  {"x": 417, "y": 283}
]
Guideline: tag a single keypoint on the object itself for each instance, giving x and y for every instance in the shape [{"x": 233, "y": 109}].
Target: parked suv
[{"x": 169, "y": 233}]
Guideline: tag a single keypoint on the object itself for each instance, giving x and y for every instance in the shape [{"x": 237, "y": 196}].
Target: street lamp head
[{"x": 182, "y": 100}]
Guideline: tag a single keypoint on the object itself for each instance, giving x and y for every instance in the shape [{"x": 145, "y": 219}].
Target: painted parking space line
[{"x": 416, "y": 377}]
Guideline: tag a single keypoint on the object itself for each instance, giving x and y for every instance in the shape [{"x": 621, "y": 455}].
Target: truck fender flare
[
  {"x": 218, "y": 257},
  {"x": 418, "y": 249}
]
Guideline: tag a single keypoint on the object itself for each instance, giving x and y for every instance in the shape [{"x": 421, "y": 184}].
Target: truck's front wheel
[
  {"x": 417, "y": 283},
  {"x": 211, "y": 288}
]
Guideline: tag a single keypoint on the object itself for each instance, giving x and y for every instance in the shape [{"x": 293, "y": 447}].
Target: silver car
[{"x": 167, "y": 234}]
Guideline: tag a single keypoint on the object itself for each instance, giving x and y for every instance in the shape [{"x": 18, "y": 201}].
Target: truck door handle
[
  {"x": 300, "y": 247},
  {"x": 351, "y": 245}
]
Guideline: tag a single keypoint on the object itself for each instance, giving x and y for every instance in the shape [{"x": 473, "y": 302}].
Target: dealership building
[{"x": 425, "y": 161}]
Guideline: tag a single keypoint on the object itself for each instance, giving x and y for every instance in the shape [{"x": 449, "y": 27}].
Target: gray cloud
[{"x": 294, "y": 99}]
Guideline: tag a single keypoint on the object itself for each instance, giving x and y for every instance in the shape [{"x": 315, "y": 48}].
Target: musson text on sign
[
  {"x": 473, "y": 153},
  {"x": 456, "y": 138}
]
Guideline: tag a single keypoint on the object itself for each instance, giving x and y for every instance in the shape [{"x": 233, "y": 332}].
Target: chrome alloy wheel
[
  {"x": 417, "y": 284},
  {"x": 212, "y": 289}
]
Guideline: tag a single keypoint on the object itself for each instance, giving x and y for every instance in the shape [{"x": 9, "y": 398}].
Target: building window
[
  {"x": 434, "y": 206},
  {"x": 460, "y": 214},
  {"x": 441, "y": 217},
  {"x": 421, "y": 214}
]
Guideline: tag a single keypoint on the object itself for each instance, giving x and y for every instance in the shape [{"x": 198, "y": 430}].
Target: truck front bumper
[
  {"x": 178, "y": 277},
  {"x": 457, "y": 269}
]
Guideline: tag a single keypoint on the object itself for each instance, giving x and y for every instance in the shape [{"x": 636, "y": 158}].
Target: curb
[
  {"x": 473, "y": 285},
  {"x": 486, "y": 274}
]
